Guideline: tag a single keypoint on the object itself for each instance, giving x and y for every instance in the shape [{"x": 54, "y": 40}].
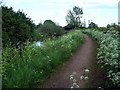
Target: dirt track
[{"x": 85, "y": 57}]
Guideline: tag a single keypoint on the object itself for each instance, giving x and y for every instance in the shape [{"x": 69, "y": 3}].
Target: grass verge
[{"x": 35, "y": 64}]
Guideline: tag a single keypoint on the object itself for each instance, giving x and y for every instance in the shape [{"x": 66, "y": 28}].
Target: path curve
[{"x": 85, "y": 57}]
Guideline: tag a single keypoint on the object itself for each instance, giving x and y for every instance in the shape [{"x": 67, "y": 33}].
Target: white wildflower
[
  {"x": 77, "y": 86},
  {"x": 81, "y": 77},
  {"x": 86, "y": 77},
  {"x": 100, "y": 88},
  {"x": 74, "y": 84},
  {"x": 71, "y": 87},
  {"x": 74, "y": 80},
  {"x": 74, "y": 73},
  {"x": 86, "y": 70},
  {"x": 71, "y": 78}
]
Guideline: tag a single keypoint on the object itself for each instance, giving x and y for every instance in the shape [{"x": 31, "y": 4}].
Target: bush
[
  {"x": 16, "y": 27},
  {"x": 50, "y": 29}
]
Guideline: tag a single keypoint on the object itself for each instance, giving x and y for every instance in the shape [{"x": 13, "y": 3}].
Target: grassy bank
[{"x": 35, "y": 64}]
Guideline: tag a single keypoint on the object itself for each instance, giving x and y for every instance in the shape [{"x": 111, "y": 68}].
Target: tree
[
  {"x": 69, "y": 27},
  {"x": 92, "y": 25},
  {"x": 50, "y": 29},
  {"x": 16, "y": 27},
  {"x": 49, "y": 22},
  {"x": 108, "y": 25},
  {"x": 73, "y": 17},
  {"x": 112, "y": 25}
]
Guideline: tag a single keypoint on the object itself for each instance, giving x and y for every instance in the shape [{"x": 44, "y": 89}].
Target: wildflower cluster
[
  {"x": 85, "y": 75},
  {"x": 74, "y": 81},
  {"x": 108, "y": 53}
]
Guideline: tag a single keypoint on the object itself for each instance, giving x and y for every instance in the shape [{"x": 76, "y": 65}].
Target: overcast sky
[{"x": 102, "y": 12}]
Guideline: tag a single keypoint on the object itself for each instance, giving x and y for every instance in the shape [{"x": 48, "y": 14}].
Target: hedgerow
[{"x": 108, "y": 54}]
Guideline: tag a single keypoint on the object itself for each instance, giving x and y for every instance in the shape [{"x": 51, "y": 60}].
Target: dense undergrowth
[
  {"x": 108, "y": 54},
  {"x": 35, "y": 64}
]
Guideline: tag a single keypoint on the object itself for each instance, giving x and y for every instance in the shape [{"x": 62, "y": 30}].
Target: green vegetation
[
  {"x": 73, "y": 17},
  {"x": 17, "y": 28},
  {"x": 93, "y": 25},
  {"x": 24, "y": 65},
  {"x": 108, "y": 54},
  {"x": 35, "y": 64},
  {"x": 49, "y": 30}
]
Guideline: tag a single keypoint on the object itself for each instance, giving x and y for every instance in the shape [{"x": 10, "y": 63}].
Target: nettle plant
[{"x": 108, "y": 53}]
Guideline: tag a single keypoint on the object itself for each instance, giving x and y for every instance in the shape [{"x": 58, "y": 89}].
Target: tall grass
[{"x": 35, "y": 64}]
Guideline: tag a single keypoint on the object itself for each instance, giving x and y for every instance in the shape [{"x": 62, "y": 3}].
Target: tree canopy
[
  {"x": 16, "y": 27},
  {"x": 73, "y": 16}
]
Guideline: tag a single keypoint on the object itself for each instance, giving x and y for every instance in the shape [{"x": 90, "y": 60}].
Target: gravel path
[{"x": 85, "y": 57}]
